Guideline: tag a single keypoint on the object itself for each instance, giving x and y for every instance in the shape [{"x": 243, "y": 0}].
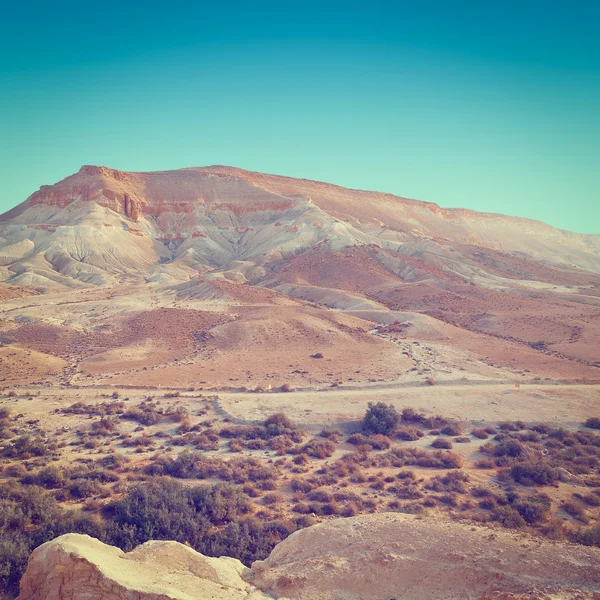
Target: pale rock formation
[
  {"x": 78, "y": 567},
  {"x": 371, "y": 557},
  {"x": 391, "y": 555}
]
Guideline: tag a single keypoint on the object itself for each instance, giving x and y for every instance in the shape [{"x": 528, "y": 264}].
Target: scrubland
[{"x": 128, "y": 466}]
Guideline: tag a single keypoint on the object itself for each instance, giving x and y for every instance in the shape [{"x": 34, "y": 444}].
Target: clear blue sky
[{"x": 493, "y": 106}]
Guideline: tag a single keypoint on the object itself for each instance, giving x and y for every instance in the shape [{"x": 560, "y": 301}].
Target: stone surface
[
  {"x": 392, "y": 555},
  {"x": 78, "y": 567},
  {"x": 371, "y": 557}
]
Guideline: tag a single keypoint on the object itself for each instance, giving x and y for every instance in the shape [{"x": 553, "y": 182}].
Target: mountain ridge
[
  {"x": 207, "y": 217},
  {"x": 292, "y": 253},
  {"x": 246, "y": 174}
]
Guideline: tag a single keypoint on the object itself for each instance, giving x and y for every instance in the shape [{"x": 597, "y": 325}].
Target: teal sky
[{"x": 489, "y": 106}]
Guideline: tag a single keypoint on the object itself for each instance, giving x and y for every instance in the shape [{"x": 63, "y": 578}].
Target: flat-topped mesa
[
  {"x": 156, "y": 193},
  {"x": 243, "y": 192},
  {"x": 100, "y": 222}
]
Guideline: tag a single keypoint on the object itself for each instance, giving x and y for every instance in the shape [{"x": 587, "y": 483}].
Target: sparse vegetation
[
  {"x": 592, "y": 423},
  {"x": 286, "y": 475}
]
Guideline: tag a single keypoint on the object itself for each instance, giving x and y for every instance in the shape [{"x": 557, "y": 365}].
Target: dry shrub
[
  {"x": 251, "y": 491},
  {"x": 331, "y": 434},
  {"x": 350, "y": 510},
  {"x": 301, "y": 508},
  {"x": 589, "y": 499},
  {"x": 256, "y": 444},
  {"x": 410, "y": 415},
  {"x": 480, "y": 433},
  {"x": 441, "y": 443},
  {"x": 105, "y": 426},
  {"x": 318, "y": 448},
  {"x": 534, "y": 473},
  {"x": 301, "y": 485},
  {"x": 511, "y": 425},
  {"x": 143, "y": 414},
  {"x": 179, "y": 415},
  {"x": 273, "y": 498},
  {"x": 376, "y": 441},
  {"x": 26, "y": 446},
  {"x": 508, "y": 517},
  {"x": 408, "y": 492},
  {"x": 236, "y": 445},
  {"x": 142, "y": 441},
  {"x": 301, "y": 459},
  {"x": 278, "y": 423},
  {"x": 588, "y": 537},
  {"x": 576, "y": 511},
  {"x": 454, "y": 481},
  {"x": 408, "y": 434},
  {"x": 451, "y": 429},
  {"x": 266, "y": 485}
]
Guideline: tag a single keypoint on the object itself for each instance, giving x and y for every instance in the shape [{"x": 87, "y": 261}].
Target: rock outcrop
[
  {"x": 392, "y": 555},
  {"x": 78, "y": 567},
  {"x": 372, "y": 557}
]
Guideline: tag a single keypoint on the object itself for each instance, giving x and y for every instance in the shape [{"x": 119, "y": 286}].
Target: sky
[{"x": 493, "y": 106}]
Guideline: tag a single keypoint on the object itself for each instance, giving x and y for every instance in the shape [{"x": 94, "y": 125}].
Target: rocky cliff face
[{"x": 373, "y": 557}]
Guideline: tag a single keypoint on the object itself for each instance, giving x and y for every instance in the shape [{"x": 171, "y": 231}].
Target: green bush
[
  {"x": 534, "y": 473},
  {"x": 532, "y": 512},
  {"x": 508, "y": 517},
  {"x": 212, "y": 519},
  {"x": 380, "y": 418}
]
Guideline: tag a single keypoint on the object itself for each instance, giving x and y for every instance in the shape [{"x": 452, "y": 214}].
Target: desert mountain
[
  {"x": 101, "y": 222},
  {"x": 302, "y": 260}
]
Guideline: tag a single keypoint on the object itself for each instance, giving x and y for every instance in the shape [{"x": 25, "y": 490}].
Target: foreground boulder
[
  {"x": 392, "y": 555},
  {"x": 79, "y": 567},
  {"x": 371, "y": 557}
]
